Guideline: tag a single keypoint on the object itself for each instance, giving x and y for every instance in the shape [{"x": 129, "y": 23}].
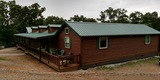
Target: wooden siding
[
  {"x": 34, "y": 30},
  {"x": 120, "y": 48},
  {"x": 75, "y": 41},
  {"x": 52, "y": 29},
  {"x": 42, "y": 30}
]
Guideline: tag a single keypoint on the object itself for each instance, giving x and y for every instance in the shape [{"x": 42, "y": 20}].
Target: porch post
[
  {"x": 17, "y": 38},
  {"x": 40, "y": 54},
  {"x": 26, "y": 45}
]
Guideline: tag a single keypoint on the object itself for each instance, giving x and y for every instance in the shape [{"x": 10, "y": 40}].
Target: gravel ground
[{"x": 18, "y": 66}]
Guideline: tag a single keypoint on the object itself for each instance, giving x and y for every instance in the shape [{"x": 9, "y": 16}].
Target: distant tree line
[
  {"x": 119, "y": 15},
  {"x": 14, "y": 18}
]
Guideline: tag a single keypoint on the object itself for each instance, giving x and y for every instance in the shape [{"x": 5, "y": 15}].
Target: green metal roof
[
  {"x": 85, "y": 29},
  {"x": 36, "y": 35},
  {"x": 29, "y": 30},
  {"x": 54, "y": 25},
  {"x": 42, "y": 26},
  {"x": 110, "y": 29},
  {"x": 34, "y": 27}
]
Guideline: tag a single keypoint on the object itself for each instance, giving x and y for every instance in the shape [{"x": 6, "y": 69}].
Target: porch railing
[{"x": 58, "y": 61}]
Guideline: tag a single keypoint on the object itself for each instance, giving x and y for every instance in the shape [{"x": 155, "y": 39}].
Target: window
[
  {"x": 103, "y": 42},
  {"x": 147, "y": 39},
  {"x": 66, "y": 30},
  {"x": 67, "y": 42}
]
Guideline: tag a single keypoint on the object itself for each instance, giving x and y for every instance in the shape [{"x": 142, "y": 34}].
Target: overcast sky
[{"x": 91, "y": 8}]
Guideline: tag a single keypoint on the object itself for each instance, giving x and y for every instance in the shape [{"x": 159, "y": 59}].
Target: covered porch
[{"x": 42, "y": 46}]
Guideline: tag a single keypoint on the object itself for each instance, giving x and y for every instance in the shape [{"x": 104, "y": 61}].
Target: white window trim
[
  {"x": 65, "y": 42},
  {"x": 149, "y": 39},
  {"x": 65, "y": 30},
  {"x": 100, "y": 43}
]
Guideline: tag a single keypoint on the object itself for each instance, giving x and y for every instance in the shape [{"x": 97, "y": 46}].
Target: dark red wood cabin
[
  {"x": 40, "y": 43},
  {"x": 101, "y": 43},
  {"x": 92, "y": 44}
]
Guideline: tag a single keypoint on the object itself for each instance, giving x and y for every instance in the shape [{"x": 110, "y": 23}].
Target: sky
[{"x": 91, "y": 8}]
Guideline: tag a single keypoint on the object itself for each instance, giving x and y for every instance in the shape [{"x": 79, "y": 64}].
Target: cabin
[
  {"x": 99, "y": 43},
  {"x": 41, "y": 44},
  {"x": 87, "y": 44}
]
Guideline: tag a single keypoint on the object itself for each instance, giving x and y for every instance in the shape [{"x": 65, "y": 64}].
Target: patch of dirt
[
  {"x": 26, "y": 67},
  {"x": 21, "y": 62},
  {"x": 12, "y": 50}
]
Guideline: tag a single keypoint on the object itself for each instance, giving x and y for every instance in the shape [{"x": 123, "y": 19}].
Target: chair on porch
[
  {"x": 52, "y": 51},
  {"x": 61, "y": 53}
]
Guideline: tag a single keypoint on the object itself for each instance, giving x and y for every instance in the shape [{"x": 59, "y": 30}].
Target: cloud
[{"x": 91, "y": 8}]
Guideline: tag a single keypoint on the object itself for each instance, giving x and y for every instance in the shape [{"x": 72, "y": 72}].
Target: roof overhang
[
  {"x": 89, "y": 29},
  {"x": 116, "y": 35},
  {"x": 36, "y": 35}
]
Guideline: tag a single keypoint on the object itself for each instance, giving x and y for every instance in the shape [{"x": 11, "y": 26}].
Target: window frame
[
  {"x": 69, "y": 46},
  {"x": 66, "y": 30},
  {"x": 147, "y": 39},
  {"x": 107, "y": 43}
]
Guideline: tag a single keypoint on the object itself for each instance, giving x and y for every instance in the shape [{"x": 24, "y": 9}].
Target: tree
[
  {"x": 6, "y": 36},
  {"x": 14, "y": 18},
  {"x": 108, "y": 15},
  {"x": 156, "y": 24},
  {"x": 22, "y": 16},
  {"x": 102, "y": 17},
  {"x": 35, "y": 13},
  {"x": 111, "y": 14},
  {"x": 114, "y": 15},
  {"x": 90, "y": 20},
  {"x": 136, "y": 17},
  {"x": 121, "y": 16},
  {"x": 3, "y": 13},
  {"x": 82, "y": 18},
  {"x": 53, "y": 20},
  {"x": 6, "y": 32},
  {"x": 150, "y": 18}
]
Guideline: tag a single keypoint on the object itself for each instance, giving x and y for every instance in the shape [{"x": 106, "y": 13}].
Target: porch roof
[
  {"x": 85, "y": 29},
  {"x": 36, "y": 35}
]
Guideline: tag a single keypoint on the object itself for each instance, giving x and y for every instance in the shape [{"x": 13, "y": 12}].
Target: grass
[
  {"x": 4, "y": 59},
  {"x": 151, "y": 60}
]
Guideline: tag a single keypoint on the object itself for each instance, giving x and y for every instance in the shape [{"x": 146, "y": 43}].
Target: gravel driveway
[{"x": 15, "y": 65}]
